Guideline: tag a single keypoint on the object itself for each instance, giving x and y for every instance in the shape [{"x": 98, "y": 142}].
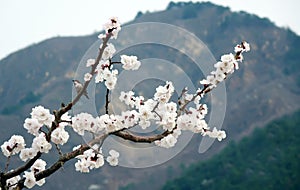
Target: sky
[{"x": 25, "y": 22}]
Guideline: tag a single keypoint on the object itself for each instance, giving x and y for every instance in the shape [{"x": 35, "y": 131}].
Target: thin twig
[
  {"x": 125, "y": 134},
  {"x": 116, "y": 62},
  {"x": 65, "y": 121},
  {"x": 106, "y": 101},
  {"x": 7, "y": 163},
  {"x": 154, "y": 110},
  {"x": 23, "y": 168},
  {"x": 58, "y": 149}
]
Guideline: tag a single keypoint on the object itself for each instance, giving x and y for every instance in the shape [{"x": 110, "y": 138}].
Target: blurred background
[{"x": 42, "y": 43}]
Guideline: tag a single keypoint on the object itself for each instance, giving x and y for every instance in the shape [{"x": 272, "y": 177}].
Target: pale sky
[{"x": 24, "y": 22}]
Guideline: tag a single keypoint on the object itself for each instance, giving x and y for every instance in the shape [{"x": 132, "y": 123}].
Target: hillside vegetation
[{"x": 268, "y": 159}]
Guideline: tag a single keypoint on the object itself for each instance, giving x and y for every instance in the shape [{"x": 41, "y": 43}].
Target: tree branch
[
  {"x": 23, "y": 168},
  {"x": 64, "y": 158},
  {"x": 126, "y": 135},
  {"x": 106, "y": 100}
]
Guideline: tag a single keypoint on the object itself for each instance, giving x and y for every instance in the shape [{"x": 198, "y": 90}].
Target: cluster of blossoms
[
  {"x": 104, "y": 70},
  {"x": 12, "y": 182},
  {"x": 113, "y": 27},
  {"x": 227, "y": 65},
  {"x": 90, "y": 159},
  {"x": 166, "y": 114},
  {"x": 93, "y": 158},
  {"x": 40, "y": 117},
  {"x": 85, "y": 122},
  {"x": 106, "y": 73},
  {"x": 188, "y": 114},
  {"x": 13, "y": 146},
  {"x": 130, "y": 62},
  {"x": 30, "y": 180}
]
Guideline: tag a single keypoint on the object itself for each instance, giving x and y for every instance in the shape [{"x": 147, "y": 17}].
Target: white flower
[
  {"x": 90, "y": 62},
  {"x": 12, "y": 182},
  {"x": 167, "y": 142},
  {"x": 176, "y": 133},
  {"x": 110, "y": 83},
  {"x": 210, "y": 80},
  {"x": 32, "y": 125},
  {"x": 41, "y": 182},
  {"x": 38, "y": 166},
  {"x": 112, "y": 159},
  {"x": 200, "y": 126},
  {"x": 112, "y": 26},
  {"x": 108, "y": 51},
  {"x": 82, "y": 122},
  {"x": 144, "y": 123},
  {"x": 238, "y": 48},
  {"x": 65, "y": 117},
  {"x": 13, "y": 146},
  {"x": 89, "y": 160},
  {"x": 107, "y": 74},
  {"x": 82, "y": 166},
  {"x": 203, "y": 109},
  {"x": 27, "y": 153},
  {"x": 197, "y": 100},
  {"x": 145, "y": 112},
  {"x": 228, "y": 58},
  {"x": 29, "y": 179},
  {"x": 184, "y": 122},
  {"x": 218, "y": 75},
  {"x": 170, "y": 140},
  {"x": 97, "y": 161},
  {"x": 127, "y": 119},
  {"x": 109, "y": 122},
  {"x": 128, "y": 98},
  {"x": 168, "y": 121},
  {"x": 246, "y": 46},
  {"x": 100, "y": 70},
  {"x": 41, "y": 144},
  {"x": 42, "y": 115},
  {"x": 139, "y": 101},
  {"x": 87, "y": 77},
  {"x": 130, "y": 62},
  {"x": 150, "y": 103},
  {"x": 59, "y": 136},
  {"x": 219, "y": 134},
  {"x": 188, "y": 97},
  {"x": 164, "y": 93},
  {"x": 99, "y": 77},
  {"x": 225, "y": 67}
]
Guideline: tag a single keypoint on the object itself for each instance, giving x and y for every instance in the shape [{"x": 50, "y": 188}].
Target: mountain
[
  {"x": 266, "y": 86},
  {"x": 272, "y": 162}
]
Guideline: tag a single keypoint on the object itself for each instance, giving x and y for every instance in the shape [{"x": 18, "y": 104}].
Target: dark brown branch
[
  {"x": 7, "y": 163},
  {"x": 141, "y": 139},
  {"x": 68, "y": 156},
  {"x": 57, "y": 165},
  {"x": 64, "y": 158},
  {"x": 55, "y": 123},
  {"x": 126, "y": 135},
  {"x": 115, "y": 62},
  {"x": 92, "y": 72},
  {"x": 153, "y": 110},
  {"x": 106, "y": 101},
  {"x": 23, "y": 168}
]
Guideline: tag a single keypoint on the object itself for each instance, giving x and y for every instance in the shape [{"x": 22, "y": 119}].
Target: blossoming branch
[{"x": 49, "y": 130}]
